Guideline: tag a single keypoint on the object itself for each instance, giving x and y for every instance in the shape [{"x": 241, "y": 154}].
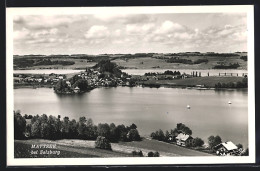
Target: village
[{"x": 95, "y": 79}]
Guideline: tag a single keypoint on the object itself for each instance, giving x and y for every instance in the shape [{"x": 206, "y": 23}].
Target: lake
[{"x": 149, "y": 108}]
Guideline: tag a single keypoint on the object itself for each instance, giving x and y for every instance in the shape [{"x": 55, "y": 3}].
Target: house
[
  {"x": 183, "y": 139},
  {"x": 60, "y": 77},
  {"x": 68, "y": 83},
  {"x": 226, "y": 148},
  {"x": 76, "y": 89}
]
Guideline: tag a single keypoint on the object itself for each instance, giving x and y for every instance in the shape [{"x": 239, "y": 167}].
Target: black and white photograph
[{"x": 130, "y": 85}]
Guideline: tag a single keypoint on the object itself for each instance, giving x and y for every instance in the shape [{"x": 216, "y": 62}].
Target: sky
[{"x": 129, "y": 33}]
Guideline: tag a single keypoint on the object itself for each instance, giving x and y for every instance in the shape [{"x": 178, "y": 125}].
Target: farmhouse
[
  {"x": 183, "y": 139},
  {"x": 68, "y": 83},
  {"x": 61, "y": 77},
  {"x": 226, "y": 148},
  {"x": 76, "y": 89}
]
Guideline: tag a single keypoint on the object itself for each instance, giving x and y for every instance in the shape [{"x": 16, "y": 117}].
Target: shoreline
[{"x": 147, "y": 86}]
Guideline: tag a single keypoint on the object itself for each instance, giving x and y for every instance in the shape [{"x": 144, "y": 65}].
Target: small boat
[
  {"x": 188, "y": 106},
  {"x": 229, "y": 102}
]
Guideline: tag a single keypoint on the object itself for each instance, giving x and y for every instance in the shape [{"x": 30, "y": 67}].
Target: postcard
[{"x": 130, "y": 85}]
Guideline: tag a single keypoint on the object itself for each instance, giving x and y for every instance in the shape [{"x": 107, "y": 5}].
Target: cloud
[
  {"x": 139, "y": 28},
  {"x": 35, "y": 22},
  {"x": 124, "y": 18},
  {"x": 132, "y": 32},
  {"x": 97, "y": 32},
  {"x": 169, "y": 26},
  {"x": 21, "y": 34}
]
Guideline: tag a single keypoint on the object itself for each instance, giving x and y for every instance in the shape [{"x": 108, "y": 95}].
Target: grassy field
[
  {"x": 149, "y": 63},
  {"x": 165, "y": 149},
  {"x": 72, "y": 148},
  {"x": 208, "y": 81},
  {"x": 22, "y": 149}
]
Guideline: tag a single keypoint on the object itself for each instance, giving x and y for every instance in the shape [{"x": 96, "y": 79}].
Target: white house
[
  {"x": 76, "y": 89},
  {"x": 68, "y": 83},
  {"x": 226, "y": 148},
  {"x": 60, "y": 77},
  {"x": 183, "y": 139}
]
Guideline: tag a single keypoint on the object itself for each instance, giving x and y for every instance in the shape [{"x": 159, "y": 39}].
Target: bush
[
  {"x": 102, "y": 143},
  {"x": 153, "y": 154},
  {"x": 156, "y": 154},
  {"x": 150, "y": 154},
  {"x": 137, "y": 154}
]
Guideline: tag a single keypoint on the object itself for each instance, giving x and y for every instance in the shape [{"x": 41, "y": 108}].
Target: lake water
[{"x": 149, "y": 108}]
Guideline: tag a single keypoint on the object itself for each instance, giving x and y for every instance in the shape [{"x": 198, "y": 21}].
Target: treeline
[
  {"x": 239, "y": 84},
  {"x": 179, "y": 60},
  {"x": 50, "y": 62},
  {"x": 186, "y": 61},
  {"x": 133, "y": 56},
  {"x": 221, "y": 54},
  {"x": 199, "y": 61},
  {"x": 230, "y": 66},
  {"x": 54, "y": 128},
  {"x": 168, "y": 72},
  {"x": 30, "y": 62},
  {"x": 243, "y": 58}
]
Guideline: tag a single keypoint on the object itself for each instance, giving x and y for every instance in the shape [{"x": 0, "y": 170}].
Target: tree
[
  {"x": 197, "y": 142},
  {"x": 104, "y": 130},
  {"x": 245, "y": 152},
  {"x": 121, "y": 132},
  {"x": 45, "y": 131},
  {"x": 114, "y": 137},
  {"x": 167, "y": 135},
  {"x": 81, "y": 125},
  {"x": 65, "y": 128},
  {"x": 19, "y": 125},
  {"x": 183, "y": 128},
  {"x": 133, "y": 135},
  {"x": 90, "y": 132},
  {"x": 161, "y": 136},
  {"x": 213, "y": 141},
  {"x": 153, "y": 135},
  {"x": 133, "y": 126},
  {"x": 73, "y": 132},
  {"x": 36, "y": 129},
  {"x": 60, "y": 86},
  {"x": 102, "y": 143},
  {"x": 55, "y": 127},
  {"x": 239, "y": 146},
  {"x": 82, "y": 85}
]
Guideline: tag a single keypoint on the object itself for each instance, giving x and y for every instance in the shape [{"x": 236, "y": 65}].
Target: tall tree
[
  {"x": 19, "y": 125},
  {"x": 213, "y": 141}
]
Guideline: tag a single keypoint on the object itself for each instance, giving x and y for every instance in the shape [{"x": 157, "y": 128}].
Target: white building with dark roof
[{"x": 226, "y": 148}]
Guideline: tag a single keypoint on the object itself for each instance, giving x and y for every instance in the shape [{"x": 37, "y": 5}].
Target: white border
[{"x": 11, "y": 161}]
